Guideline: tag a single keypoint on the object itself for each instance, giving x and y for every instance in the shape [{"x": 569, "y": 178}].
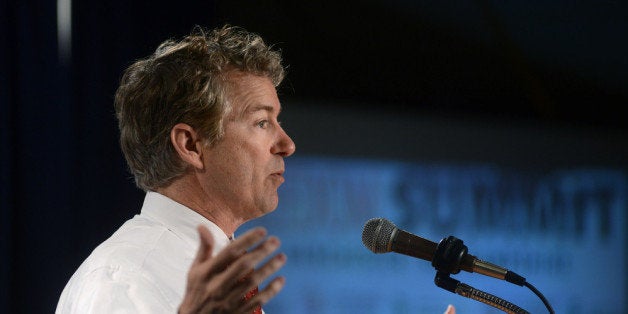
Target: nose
[{"x": 284, "y": 146}]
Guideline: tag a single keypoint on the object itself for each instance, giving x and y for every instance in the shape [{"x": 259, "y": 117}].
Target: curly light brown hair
[{"x": 184, "y": 81}]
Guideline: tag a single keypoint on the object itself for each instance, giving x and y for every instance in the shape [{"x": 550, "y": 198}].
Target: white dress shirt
[{"x": 142, "y": 267}]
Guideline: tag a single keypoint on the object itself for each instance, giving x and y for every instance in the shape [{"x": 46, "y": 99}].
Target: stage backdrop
[
  {"x": 547, "y": 202},
  {"x": 564, "y": 230}
]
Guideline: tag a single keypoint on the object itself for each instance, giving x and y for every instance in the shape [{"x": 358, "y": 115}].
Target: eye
[{"x": 263, "y": 124}]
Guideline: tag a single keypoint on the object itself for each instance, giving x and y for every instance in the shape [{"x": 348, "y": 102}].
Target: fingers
[
  {"x": 266, "y": 270},
  {"x": 251, "y": 259},
  {"x": 275, "y": 285},
  {"x": 450, "y": 309},
  {"x": 265, "y": 295},
  {"x": 238, "y": 248},
  {"x": 245, "y": 268}
]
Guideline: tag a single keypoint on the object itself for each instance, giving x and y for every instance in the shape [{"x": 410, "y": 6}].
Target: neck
[{"x": 189, "y": 193}]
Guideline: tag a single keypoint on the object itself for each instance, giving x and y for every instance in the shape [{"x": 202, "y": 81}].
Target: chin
[
  {"x": 263, "y": 206},
  {"x": 269, "y": 207}
]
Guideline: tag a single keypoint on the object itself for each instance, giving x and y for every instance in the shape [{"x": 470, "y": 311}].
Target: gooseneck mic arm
[{"x": 444, "y": 281}]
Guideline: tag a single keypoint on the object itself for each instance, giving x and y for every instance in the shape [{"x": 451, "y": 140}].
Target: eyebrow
[{"x": 255, "y": 108}]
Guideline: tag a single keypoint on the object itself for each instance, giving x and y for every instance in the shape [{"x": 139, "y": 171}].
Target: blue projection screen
[{"x": 563, "y": 230}]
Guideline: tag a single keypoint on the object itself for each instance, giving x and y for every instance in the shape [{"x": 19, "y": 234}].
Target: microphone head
[{"x": 377, "y": 235}]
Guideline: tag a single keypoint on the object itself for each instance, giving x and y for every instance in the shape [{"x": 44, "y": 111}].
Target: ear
[{"x": 188, "y": 144}]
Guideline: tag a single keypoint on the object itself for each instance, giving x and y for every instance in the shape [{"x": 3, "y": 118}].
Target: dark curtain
[
  {"x": 64, "y": 185},
  {"x": 37, "y": 160}
]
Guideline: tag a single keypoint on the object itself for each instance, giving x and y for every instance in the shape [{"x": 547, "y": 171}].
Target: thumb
[{"x": 206, "y": 246}]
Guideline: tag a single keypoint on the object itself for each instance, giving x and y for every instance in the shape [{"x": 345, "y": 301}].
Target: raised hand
[{"x": 218, "y": 284}]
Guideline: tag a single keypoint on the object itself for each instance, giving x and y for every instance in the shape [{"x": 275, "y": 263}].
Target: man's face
[{"x": 245, "y": 167}]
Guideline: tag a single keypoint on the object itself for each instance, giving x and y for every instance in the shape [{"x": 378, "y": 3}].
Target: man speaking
[{"x": 199, "y": 129}]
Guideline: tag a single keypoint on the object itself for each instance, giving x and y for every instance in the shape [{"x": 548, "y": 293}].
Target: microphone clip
[{"x": 449, "y": 255}]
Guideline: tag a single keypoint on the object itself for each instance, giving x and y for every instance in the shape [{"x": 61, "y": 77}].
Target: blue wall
[{"x": 564, "y": 230}]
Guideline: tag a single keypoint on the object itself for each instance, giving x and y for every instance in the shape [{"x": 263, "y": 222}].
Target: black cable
[{"x": 540, "y": 295}]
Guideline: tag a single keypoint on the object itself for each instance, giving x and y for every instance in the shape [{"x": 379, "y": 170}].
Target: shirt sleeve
[{"x": 107, "y": 290}]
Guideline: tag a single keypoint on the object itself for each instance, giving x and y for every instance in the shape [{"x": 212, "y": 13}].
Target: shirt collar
[{"x": 181, "y": 220}]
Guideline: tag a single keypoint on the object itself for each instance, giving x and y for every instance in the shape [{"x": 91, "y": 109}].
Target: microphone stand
[
  {"x": 449, "y": 253},
  {"x": 444, "y": 281}
]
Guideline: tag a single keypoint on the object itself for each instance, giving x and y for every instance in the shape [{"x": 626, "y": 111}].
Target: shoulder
[
  {"x": 136, "y": 269},
  {"x": 109, "y": 289}
]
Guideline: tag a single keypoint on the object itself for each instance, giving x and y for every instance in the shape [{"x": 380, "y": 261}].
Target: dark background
[{"x": 558, "y": 66}]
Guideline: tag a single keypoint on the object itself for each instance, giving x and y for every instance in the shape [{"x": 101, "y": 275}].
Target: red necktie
[{"x": 250, "y": 294}]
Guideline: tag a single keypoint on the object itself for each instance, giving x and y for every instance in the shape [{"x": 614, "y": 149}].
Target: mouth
[{"x": 278, "y": 176}]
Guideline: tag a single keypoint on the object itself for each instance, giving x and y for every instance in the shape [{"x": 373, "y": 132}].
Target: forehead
[{"x": 248, "y": 93}]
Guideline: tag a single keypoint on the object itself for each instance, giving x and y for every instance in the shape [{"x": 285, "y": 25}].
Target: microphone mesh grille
[{"x": 377, "y": 233}]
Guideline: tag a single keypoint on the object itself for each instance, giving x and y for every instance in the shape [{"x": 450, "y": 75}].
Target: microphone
[{"x": 382, "y": 236}]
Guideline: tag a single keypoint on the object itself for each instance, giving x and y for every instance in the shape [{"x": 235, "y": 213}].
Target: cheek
[
  {"x": 242, "y": 162},
  {"x": 227, "y": 167},
  {"x": 242, "y": 167}
]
